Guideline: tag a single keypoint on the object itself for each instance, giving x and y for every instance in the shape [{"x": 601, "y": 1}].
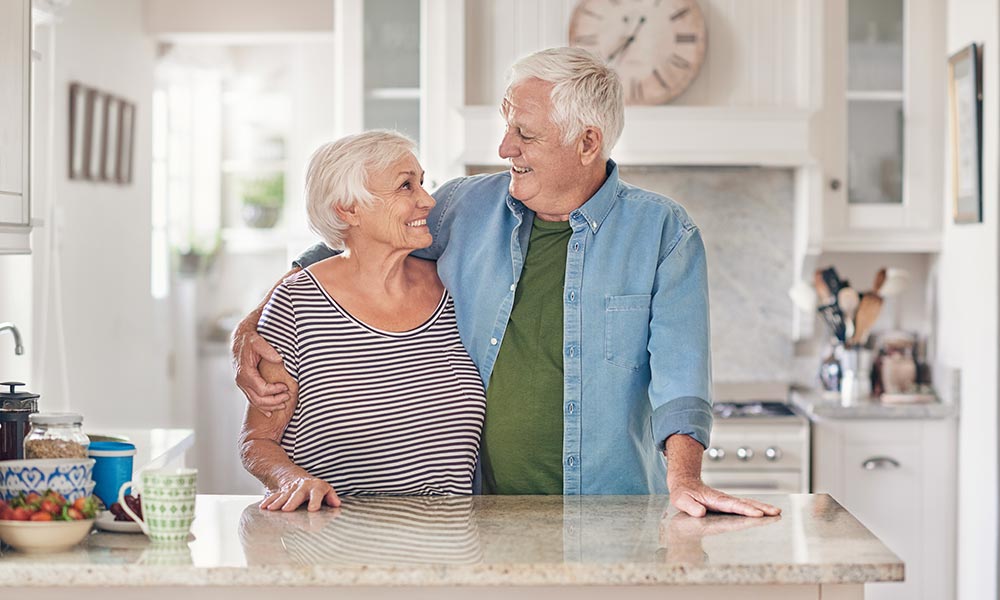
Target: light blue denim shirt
[{"x": 637, "y": 363}]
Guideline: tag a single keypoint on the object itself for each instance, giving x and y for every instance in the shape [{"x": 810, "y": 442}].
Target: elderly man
[{"x": 582, "y": 300}]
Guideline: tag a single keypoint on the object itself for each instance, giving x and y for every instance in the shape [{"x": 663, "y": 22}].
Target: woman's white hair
[
  {"x": 340, "y": 174},
  {"x": 585, "y": 92}
]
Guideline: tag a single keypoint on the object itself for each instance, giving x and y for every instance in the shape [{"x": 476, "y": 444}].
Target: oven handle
[
  {"x": 746, "y": 485},
  {"x": 880, "y": 462}
]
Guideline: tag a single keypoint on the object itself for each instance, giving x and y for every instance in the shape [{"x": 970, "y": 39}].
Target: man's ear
[
  {"x": 348, "y": 215},
  {"x": 590, "y": 145}
]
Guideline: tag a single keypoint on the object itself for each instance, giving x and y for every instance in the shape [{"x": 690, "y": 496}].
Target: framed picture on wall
[{"x": 965, "y": 124}]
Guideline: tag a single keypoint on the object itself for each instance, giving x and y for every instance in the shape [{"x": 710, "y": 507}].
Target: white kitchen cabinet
[
  {"x": 897, "y": 476},
  {"x": 15, "y": 112},
  {"x": 882, "y": 125},
  {"x": 402, "y": 77}
]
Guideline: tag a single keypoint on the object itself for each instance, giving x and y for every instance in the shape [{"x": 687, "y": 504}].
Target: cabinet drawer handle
[{"x": 880, "y": 462}]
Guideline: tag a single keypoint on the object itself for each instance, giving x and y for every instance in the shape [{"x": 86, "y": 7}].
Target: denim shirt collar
[{"x": 594, "y": 210}]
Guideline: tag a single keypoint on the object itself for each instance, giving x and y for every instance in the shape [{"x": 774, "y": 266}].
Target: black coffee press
[{"x": 14, "y": 410}]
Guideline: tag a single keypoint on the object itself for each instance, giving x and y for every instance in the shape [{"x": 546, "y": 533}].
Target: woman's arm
[{"x": 288, "y": 485}]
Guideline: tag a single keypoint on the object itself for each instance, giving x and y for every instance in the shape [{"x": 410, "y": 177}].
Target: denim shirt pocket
[{"x": 626, "y": 330}]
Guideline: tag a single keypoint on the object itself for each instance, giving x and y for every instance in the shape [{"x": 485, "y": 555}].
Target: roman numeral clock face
[{"x": 657, "y": 46}]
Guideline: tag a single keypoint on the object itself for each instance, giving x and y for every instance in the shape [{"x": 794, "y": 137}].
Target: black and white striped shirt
[{"x": 379, "y": 412}]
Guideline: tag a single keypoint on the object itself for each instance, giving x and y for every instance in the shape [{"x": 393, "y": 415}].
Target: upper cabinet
[
  {"x": 15, "y": 107},
  {"x": 882, "y": 125}
]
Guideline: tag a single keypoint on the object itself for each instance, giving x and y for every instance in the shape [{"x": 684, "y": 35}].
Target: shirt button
[
  {"x": 571, "y": 350},
  {"x": 571, "y": 408},
  {"x": 571, "y": 461},
  {"x": 576, "y": 247},
  {"x": 493, "y": 341},
  {"x": 572, "y": 296},
  {"x": 513, "y": 287}
]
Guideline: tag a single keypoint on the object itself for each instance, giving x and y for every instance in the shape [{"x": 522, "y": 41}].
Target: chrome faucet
[{"x": 18, "y": 347}]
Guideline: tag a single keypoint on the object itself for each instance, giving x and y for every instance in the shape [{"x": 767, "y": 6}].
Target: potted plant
[{"x": 263, "y": 199}]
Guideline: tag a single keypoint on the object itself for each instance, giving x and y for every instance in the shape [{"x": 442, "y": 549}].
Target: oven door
[{"x": 756, "y": 482}]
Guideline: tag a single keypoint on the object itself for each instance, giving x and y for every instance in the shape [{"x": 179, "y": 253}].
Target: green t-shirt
[{"x": 522, "y": 437}]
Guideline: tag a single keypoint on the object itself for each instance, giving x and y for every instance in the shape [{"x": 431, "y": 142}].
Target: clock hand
[{"x": 628, "y": 41}]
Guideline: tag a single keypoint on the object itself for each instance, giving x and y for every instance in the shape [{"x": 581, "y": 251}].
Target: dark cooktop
[{"x": 727, "y": 410}]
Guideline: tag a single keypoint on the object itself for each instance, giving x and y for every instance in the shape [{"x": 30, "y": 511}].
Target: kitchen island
[{"x": 479, "y": 547}]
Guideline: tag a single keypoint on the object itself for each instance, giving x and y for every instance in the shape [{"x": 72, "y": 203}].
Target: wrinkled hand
[
  {"x": 249, "y": 348},
  {"x": 312, "y": 489},
  {"x": 695, "y": 498}
]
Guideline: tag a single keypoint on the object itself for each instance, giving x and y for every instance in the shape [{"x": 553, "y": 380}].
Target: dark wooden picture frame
[
  {"x": 965, "y": 124},
  {"x": 101, "y": 136}
]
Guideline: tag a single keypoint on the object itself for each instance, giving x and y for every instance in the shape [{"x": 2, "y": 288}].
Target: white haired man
[{"x": 582, "y": 300}]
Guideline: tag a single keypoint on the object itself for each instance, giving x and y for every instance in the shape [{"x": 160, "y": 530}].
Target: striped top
[{"x": 379, "y": 412}]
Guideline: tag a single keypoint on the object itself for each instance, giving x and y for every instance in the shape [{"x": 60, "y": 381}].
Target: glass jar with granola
[{"x": 56, "y": 435}]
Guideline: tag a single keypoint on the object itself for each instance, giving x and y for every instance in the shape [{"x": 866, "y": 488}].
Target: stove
[{"x": 760, "y": 443}]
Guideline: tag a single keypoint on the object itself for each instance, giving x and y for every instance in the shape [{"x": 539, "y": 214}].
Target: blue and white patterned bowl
[{"x": 68, "y": 476}]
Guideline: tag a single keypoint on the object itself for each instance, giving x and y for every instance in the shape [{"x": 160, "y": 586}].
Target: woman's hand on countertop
[{"x": 292, "y": 495}]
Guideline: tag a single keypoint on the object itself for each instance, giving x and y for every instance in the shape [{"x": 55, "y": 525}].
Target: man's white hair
[
  {"x": 340, "y": 174},
  {"x": 585, "y": 92}
]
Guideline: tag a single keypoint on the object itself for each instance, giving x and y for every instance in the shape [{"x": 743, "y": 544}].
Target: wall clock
[{"x": 657, "y": 46}]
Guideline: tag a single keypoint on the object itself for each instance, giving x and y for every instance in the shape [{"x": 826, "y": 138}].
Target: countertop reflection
[{"x": 483, "y": 540}]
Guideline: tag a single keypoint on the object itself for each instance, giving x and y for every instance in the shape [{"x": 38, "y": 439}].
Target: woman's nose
[{"x": 426, "y": 200}]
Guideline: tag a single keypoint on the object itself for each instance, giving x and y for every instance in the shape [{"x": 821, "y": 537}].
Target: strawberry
[
  {"x": 74, "y": 514},
  {"x": 21, "y": 514},
  {"x": 41, "y": 516}
]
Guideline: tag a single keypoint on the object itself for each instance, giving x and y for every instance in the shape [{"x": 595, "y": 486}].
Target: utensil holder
[{"x": 856, "y": 366}]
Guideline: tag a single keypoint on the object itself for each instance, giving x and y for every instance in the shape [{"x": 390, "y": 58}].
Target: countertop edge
[{"x": 435, "y": 575}]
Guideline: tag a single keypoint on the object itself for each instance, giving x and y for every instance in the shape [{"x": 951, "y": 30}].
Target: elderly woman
[{"x": 384, "y": 397}]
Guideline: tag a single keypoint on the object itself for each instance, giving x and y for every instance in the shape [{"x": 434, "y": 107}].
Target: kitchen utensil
[
  {"x": 834, "y": 320},
  {"x": 848, "y": 300},
  {"x": 803, "y": 296},
  {"x": 896, "y": 280},
  {"x": 879, "y": 280},
  {"x": 113, "y": 468},
  {"x": 47, "y": 536},
  {"x": 832, "y": 280},
  {"x": 868, "y": 311},
  {"x": 68, "y": 476},
  {"x": 15, "y": 408},
  {"x": 168, "y": 499},
  {"x": 823, "y": 294}
]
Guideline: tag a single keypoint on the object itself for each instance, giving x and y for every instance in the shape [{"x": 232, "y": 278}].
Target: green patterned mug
[{"x": 167, "y": 503}]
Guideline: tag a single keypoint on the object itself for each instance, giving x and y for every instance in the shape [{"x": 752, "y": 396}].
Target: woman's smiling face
[{"x": 398, "y": 217}]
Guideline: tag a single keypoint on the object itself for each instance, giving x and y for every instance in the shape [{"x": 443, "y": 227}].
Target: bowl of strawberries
[{"x": 46, "y": 522}]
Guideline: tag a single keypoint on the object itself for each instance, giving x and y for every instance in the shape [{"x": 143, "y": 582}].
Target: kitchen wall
[
  {"x": 967, "y": 319},
  {"x": 106, "y": 344}
]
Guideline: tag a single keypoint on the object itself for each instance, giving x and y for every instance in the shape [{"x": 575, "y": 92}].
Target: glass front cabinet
[{"x": 883, "y": 125}]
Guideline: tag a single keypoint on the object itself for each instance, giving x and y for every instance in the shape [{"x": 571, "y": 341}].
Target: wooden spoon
[
  {"x": 868, "y": 310},
  {"x": 879, "y": 280},
  {"x": 848, "y": 301}
]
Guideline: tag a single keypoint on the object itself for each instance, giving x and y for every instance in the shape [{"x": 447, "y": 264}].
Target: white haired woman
[{"x": 384, "y": 397}]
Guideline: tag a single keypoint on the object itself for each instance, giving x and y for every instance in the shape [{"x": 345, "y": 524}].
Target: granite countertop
[
  {"x": 818, "y": 404},
  {"x": 482, "y": 541}
]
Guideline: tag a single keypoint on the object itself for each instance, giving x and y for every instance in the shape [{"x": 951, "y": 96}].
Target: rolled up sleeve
[{"x": 680, "y": 343}]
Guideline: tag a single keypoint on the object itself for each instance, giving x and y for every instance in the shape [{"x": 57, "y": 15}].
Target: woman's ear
[
  {"x": 348, "y": 215},
  {"x": 591, "y": 143}
]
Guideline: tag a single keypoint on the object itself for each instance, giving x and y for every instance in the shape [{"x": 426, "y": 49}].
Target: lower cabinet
[{"x": 898, "y": 477}]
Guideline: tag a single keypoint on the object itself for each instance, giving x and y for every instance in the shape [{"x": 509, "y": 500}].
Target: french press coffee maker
[{"x": 14, "y": 410}]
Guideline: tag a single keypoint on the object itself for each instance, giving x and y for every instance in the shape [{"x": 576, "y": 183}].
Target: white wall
[
  {"x": 114, "y": 337},
  {"x": 967, "y": 320}
]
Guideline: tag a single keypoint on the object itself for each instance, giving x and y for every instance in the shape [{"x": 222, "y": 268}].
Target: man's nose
[{"x": 508, "y": 148}]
